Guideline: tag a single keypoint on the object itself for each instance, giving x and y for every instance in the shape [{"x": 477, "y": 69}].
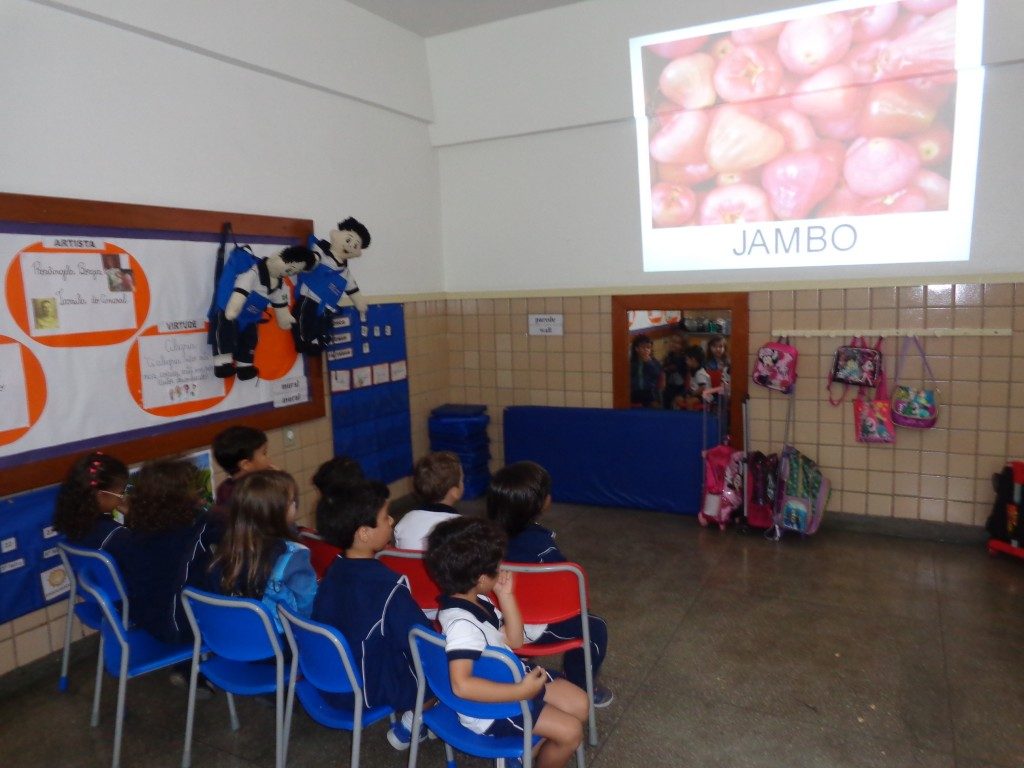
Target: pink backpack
[
  {"x": 723, "y": 485},
  {"x": 775, "y": 367}
]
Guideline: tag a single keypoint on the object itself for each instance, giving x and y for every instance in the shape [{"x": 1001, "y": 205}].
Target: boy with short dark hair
[
  {"x": 516, "y": 498},
  {"x": 368, "y": 602},
  {"x": 336, "y": 474},
  {"x": 438, "y": 482},
  {"x": 464, "y": 558},
  {"x": 238, "y": 450}
]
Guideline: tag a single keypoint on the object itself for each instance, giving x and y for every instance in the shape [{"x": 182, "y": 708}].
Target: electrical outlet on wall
[{"x": 289, "y": 438}]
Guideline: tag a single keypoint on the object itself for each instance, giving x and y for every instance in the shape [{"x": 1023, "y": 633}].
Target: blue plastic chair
[
  {"x": 498, "y": 664},
  {"x": 106, "y": 575},
  {"x": 323, "y": 656},
  {"x": 126, "y": 653},
  {"x": 234, "y": 640}
]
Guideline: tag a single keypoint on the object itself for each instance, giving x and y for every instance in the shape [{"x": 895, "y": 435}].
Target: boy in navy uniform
[
  {"x": 368, "y": 602},
  {"x": 516, "y": 498},
  {"x": 238, "y": 450}
]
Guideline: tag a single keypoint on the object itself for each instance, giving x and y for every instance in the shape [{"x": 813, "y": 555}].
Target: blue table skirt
[{"x": 645, "y": 459}]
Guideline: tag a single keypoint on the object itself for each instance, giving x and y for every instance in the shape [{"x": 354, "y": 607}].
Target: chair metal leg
[
  {"x": 290, "y": 706},
  {"x": 279, "y": 720},
  {"x": 417, "y": 721},
  {"x": 588, "y": 665},
  {"x": 98, "y": 687},
  {"x": 449, "y": 755},
  {"x": 580, "y": 757},
  {"x": 122, "y": 685},
  {"x": 190, "y": 717},
  {"x": 357, "y": 732},
  {"x": 62, "y": 685},
  {"x": 235, "y": 725}
]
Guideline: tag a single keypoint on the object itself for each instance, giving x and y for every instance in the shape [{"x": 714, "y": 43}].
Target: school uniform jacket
[{"x": 374, "y": 609}]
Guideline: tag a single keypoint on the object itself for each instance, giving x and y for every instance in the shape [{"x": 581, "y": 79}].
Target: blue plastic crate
[
  {"x": 456, "y": 427},
  {"x": 451, "y": 410}
]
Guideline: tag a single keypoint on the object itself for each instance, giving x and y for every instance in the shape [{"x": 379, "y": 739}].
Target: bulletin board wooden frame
[{"x": 39, "y": 210}]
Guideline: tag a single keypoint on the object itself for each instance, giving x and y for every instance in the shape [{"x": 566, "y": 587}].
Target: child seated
[
  {"x": 337, "y": 474},
  {"x": 88, "y": 500},
  {"x": 437, "y": 480},
  {"x": 368, "y": 602},
  {"x": 168, "y": 527},
  {"x": 238, "y": 450},
  {"x": 516, "y": 498},
  {"x": 259, "y": 555},
  {"x": 464, "y": 556}
]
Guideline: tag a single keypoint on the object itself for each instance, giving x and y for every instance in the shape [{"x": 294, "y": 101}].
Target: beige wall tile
[
  {"x": 29, "y": 621},
  {"x": 7, "y": 660},
  {"x": 31, "y": 645},
  {"x": 933, "y": 510},
  {"x": 939, "y": 295},
  {"x": 911, "y": 296}
]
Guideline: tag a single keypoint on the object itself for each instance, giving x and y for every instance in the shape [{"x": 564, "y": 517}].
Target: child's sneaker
[
  {"x": 602, "y": 697},
  {"x": 400, "y": 733}
]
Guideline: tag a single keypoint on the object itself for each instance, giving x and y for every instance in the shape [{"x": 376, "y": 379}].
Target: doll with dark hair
[
  {"x": 93, "y": 491},
  {"x": 323, "y": 289},
  {"x": 247, "y": 286}
]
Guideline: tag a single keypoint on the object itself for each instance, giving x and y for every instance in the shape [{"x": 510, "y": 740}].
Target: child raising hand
[{"x": 464, "y": 557}]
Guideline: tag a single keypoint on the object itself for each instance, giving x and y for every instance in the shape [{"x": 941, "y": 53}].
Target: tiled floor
[{"x": 846, "y": 649}]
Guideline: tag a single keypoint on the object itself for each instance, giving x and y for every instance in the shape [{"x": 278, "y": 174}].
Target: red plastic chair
[
  {"x": 548, "y": 593},
  {"x": 321, "y": 554},
  {"x": 410, "y": 563}
]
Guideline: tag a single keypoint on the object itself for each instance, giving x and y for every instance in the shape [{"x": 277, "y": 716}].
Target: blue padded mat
[{"x": 615, "y": 458}]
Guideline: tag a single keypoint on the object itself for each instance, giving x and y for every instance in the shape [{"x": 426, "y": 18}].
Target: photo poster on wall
[
  {"x": 103, "y": 339},
  {"x": 831, "y": 133},
  {"x": 368, "y": 368},
  {"x": 32, "y": 574}
]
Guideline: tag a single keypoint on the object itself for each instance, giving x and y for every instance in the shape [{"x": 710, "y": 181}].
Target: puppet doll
[
  {"x": 322, "y": 290},
  {"x": 246, "y": 287}
]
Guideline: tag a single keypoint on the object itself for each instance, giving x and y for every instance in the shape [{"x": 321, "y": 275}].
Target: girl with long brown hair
[{"x": 259, "y": 555}]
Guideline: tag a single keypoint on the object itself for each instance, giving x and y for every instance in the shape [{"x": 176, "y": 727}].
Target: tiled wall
[
  {"x": 941, "y": 474},
  {"x": 493, "y": 360},
  {"x": 479, "y": 351}
]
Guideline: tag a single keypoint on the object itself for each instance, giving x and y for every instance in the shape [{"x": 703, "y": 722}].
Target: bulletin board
[
  {"x": 368, "y": 370},
  {"x": 103, "y": 335}
]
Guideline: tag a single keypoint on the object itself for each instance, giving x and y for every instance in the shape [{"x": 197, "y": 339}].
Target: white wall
[
  {"x": 120, "y": 102},
  {"x": 538, "y": 156}
]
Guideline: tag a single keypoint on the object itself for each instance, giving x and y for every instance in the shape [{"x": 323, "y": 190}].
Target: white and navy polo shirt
[{"x": 468, "y": 628}]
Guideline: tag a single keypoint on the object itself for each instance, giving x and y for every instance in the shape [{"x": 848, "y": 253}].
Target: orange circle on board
[
  {"x": 275, "y": 352},
  {"x": 35, "y": 390},
  {"x": 133, "y": 376},
  {"x": 17, "y": 302}
]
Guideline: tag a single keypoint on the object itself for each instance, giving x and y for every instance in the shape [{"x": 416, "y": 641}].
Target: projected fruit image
[{"x": 849, "y": 113}]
